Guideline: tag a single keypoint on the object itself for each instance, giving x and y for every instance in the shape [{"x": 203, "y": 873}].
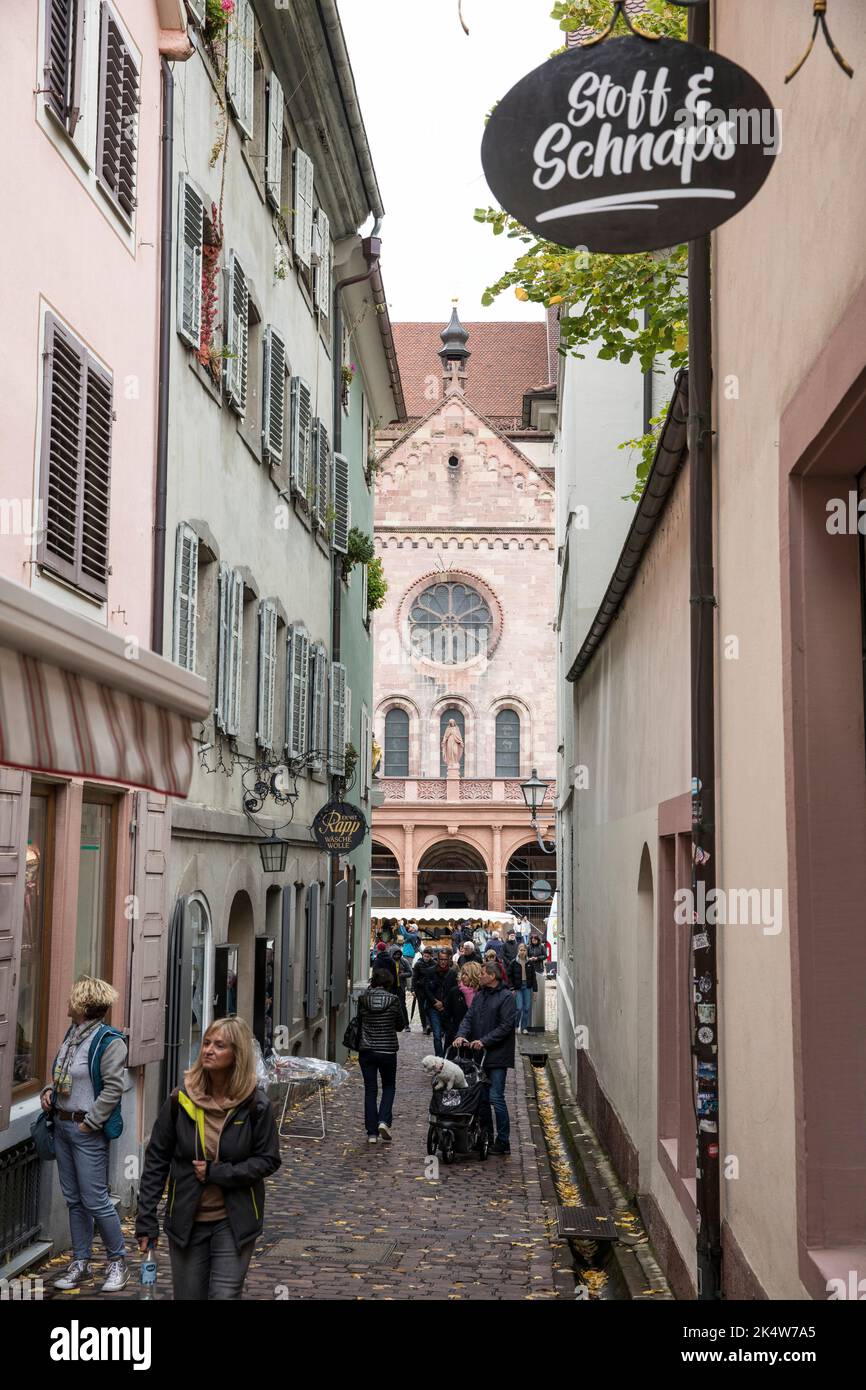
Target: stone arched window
[
  {"x": 396, "y": 743},
  {"x": 450, "y": 623},
  {"x": 508, "y": 743}
]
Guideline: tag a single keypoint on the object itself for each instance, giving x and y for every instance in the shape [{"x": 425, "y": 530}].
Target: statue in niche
[{"x": 452, "y": 747}]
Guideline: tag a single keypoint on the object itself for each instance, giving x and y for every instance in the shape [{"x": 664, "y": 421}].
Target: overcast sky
[{"x": 425, "y": 89}]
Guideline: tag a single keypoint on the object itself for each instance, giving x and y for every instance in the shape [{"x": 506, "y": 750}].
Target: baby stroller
[{"x": 458, "y": 1118}]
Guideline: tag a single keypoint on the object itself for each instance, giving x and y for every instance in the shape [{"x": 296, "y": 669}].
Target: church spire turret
[{"x": 454, "y": 354}]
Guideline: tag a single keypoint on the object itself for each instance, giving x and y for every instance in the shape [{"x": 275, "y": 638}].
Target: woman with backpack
[
  {"x": 381, "y": 1016},
  {"x": 216, "y": 1141},
  {"x": 83, "y": 1099}
]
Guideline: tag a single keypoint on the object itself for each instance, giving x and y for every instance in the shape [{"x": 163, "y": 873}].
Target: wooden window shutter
[
  {"x": 337, "y": 720},
  {"x": 311, "y": 991},
  {"x": 185, "y": 597},
  {"x": 267, "y": 673},
  {"x": 224, "y": 645},
  {"x": 14, "y": 806},
  {"x": 198, "y": 11},
  {"x": 117, "y": 136},
  {"x": 301, "y": 433},
  {"x": 274, "y": 396},
  {"x": 296, "y": 692},
  {"x": 322, "y": 465},
  {"x": 241, "y": 65},
  {"x": 318, "y": 683},
  {"x": 323, "y": 270},
  {"x": 64, "y": 59},
  {"x": 237, "y": 652},
  {"x": 149, "y": 930},
  {"x": 274, "y": 151},
  {"x": 190, "y": 238},
  {"x": 340, "y": 523},
  {"x": 237, "y": 334},
  {"x": 303, "y": 208},
  {"x": 77, "y": 422},
  {"x": 365, "y": 753}
]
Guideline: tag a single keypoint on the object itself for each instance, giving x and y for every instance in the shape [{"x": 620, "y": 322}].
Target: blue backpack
[{"x": 104, "y": 1034}]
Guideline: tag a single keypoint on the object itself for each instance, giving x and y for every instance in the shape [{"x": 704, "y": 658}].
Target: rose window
[{"x": 449, "y": 623}]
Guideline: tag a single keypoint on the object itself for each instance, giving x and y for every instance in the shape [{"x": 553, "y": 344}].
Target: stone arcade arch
[{"x": 456, "y": 873}]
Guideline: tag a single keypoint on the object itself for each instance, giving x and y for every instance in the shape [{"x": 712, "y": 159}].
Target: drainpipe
[
  {"x": 704, "y": 993},
  {"x": 371, "y": 247},
  {"x": 157, "y": 621}
]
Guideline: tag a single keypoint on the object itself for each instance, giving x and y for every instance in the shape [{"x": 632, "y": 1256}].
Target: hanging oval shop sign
[
  {"x": 339, "y": 828},
  {"x": 630, "y": 146}
]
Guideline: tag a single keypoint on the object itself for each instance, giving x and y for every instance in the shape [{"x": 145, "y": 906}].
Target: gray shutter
[
  {"x": 340, "y": 939},
  {"x": 224, "y": 645},
  {"x": 365, "y": 594},
  {"x": 14, "y": 806},
  {"x": 301, "y": 433},
  {"x": 274, "y": 152},
  {"x": 149, "y": 930},
  {"x": 274, "y": 396},
  {"x": 237, "y": 345},
  {"x": 117, "y": 136},
  {"x": 317, "y": 706},
  {"x": 322, "y": 465},
  {"x": 337, "y": 720},
  {"x": 365, "y": 754},
  {"x": 267, "y": 672},
  {"x": 241, "y": 65},
  {"x": 296, "y": 691},
  {"x": 287, "y": 958},
  {"x": 311, "y": 994},
  {"x": 197, "y": 9},
  {"x": 236, "y": 664},
  {"x": 340, "y": 523},
  {"x": 303, "y": 208},
  {"x": 96, "y": 489},
  {"x": 323, "y": 270},
  {"x": 190, "y": 238},
  {"x": 64, "y": 59},
  {"x": 185, "y": 597}
]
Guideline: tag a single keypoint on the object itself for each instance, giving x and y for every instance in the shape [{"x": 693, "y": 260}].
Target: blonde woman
[
  {"x": 83, "y": 1099},
  {"x": 215, "y": 1141},
  {"x": 459, "y": 997}
]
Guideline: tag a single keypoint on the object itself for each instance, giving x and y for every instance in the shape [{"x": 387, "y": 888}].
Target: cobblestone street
[{"x": 375, "y": 1227}]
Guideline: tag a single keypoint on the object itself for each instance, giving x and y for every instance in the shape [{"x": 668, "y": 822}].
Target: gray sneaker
[
  {"x": 385, "y": 1133},
  {"x": 78, "y": 1272},
  {"x": 118, "y": 1277}
]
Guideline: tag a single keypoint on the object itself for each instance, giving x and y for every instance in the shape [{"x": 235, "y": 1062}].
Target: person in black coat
[
  {"x": 381, "y": 1015},
  {"x": 489, "y": 1025},
  {"x": 458, "y": 998},
  {"x": 537, "y": 951},
  {"x": 436, "y": 983},
  {"x": 522, "y": 979}
]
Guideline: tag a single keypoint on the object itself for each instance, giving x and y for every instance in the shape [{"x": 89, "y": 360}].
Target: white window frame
[
  {"x": 191, "y": 335},
  {"x": 240, "y": 80},
  {"x": 186, "y": 538}
]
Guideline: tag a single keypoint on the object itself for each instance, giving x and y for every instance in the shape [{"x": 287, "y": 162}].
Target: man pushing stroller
[{"x": 489, "y": 1024}]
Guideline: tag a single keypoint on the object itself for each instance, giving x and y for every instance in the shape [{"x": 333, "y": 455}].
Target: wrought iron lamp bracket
[
  {"x": 819, "y": 12},
  {"x": 620, "y": 12}
]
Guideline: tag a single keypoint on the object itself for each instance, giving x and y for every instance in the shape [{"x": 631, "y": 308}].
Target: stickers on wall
[
  {"x": 712, "y": 1150},
  {"x": 708, "y": 1126},
  {"x": 705, "y": 1035},
  {"x": 708, "y": 1103},
  {"x": 705, "y": 984},
  {"x": 706, "y": 1013},
  {"x": 700, "y": 942},
  {"x": 707, "y": 1071}
]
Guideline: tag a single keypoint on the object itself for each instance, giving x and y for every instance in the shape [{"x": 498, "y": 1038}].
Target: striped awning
[{"x": 94, "y": 712}]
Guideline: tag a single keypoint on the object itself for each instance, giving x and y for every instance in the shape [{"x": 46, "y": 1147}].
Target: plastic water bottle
[{"x": 148, "y": 1274}]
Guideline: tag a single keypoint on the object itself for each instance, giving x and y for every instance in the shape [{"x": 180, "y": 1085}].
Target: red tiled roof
[{"x": 507, "y": 360}]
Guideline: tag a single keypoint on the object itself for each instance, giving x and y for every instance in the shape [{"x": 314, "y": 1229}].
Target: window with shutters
[
  {"x": 507, "y": 743},
  {"x": 250, "y": 423},
  {"x": 117, "y": 133},
  {"x": 190, "y": 239},
  {"x": 236, "y": 357},
  {"x": 274, "y": 143},
  {"x": 337, "y": 720},
  {"x": 284, "y": 206},
  {"x": 198, "y": 11},
  {"x": 274, "y": 397},
  {"x": 301, "y": 436},
  {"x": 321, "y": 479},
  {"x": 297, "y": 690},
  {"x": 77, "y": 423},
  {"x": 317, "y": 730},
  {"x": 254, "y": 150},
  {"x": 341, "y": 518},
  {"x": 63, "y": 78},
  {"x": 230, "y": 658},
  {"x": 185, "y": 597},
  {"x": 322, "y": 280},
  {"x": 267, "y": 667},
  {"x": 240, "y": 74},
  {"x": 302, "y": 209},
  {"x": 396, "y": 743}
]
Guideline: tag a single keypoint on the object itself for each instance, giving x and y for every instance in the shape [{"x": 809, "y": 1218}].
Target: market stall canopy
[
  {"x": 436, "y": 915},
  {"x": 79, "y": 701}
]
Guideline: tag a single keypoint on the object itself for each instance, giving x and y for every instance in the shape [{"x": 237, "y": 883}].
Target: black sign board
[
  {"x": 339, "y": 828},
  {"x": 630, "y": 145}
]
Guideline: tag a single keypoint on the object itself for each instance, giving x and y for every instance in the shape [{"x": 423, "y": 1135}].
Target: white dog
[{"x": 446, "y": 1074}]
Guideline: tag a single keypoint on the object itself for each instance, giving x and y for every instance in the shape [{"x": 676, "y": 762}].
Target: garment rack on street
[{"x": 316, "y": 1131}]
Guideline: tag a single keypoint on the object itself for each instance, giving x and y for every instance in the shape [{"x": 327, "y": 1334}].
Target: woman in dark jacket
[
  {"x": 381, "y": 1016},
  {"x": 216, "y": 1141},
  {"x": 521, "y": 977}
]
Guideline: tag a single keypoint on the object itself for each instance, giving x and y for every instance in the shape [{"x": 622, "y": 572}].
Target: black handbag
[
  {"x": 42, "y": 1134},
  {"x": 352, "y": 1035}
]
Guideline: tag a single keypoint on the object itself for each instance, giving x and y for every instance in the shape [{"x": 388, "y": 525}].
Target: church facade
[{"x": 464, "y": 645}]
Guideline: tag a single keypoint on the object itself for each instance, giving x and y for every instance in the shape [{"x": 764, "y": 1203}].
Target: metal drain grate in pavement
[
  {"x": 586, "y": 1223},
  {"x": 330, "y": 1250}
]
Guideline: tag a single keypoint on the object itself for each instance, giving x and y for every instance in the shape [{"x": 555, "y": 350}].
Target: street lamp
[
  {"x": 534, "y": 792},
  {"x": 274, "y": 853}
]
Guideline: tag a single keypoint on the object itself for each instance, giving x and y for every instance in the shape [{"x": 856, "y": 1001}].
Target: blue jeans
[
  {"x": 373, "y": 1065},
  {"x": 524, "y": 1006},
  {"x": 494, "y": 1091},
  {"x": 82, "y": 1168},
  {"x": 436, "y": 1019},
  {"x": 210, "y": 1266}
]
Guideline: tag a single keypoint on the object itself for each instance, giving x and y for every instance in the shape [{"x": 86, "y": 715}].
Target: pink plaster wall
[{"x": 58, "y": 246}]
